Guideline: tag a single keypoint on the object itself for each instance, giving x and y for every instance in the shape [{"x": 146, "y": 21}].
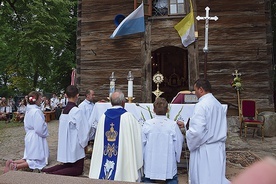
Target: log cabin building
[{"x": 240, "y": 40}]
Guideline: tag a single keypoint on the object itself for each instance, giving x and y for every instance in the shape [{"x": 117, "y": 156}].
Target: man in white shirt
[
  {"x": 54, "y": 101},
  {"x": 55, "y": 104},
  {"x": 206, "y": 134},
  {"x": 160, "y": 161},
  {"x": 86, "y": 106},
  {"x": 63, "y": 101},
  {"x": 117, "y": 152}
]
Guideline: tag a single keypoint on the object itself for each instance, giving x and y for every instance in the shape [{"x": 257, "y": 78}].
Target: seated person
[
  {"x": 5, "y": 110},
  {"x": 46, "y": 106},
  {"x": 3, "y": 116},
  {"x": 19, "y": 115},
  {"x": 160, "y": 162}
]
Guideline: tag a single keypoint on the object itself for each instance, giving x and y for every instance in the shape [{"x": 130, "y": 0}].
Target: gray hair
[{"x": 117, "y": 98}]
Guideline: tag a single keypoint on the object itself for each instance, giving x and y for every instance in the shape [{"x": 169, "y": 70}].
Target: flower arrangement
[{"x": 236, "y": 83}]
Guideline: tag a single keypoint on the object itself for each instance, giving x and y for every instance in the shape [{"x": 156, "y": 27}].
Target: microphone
[{"x": 137, "y": 104}]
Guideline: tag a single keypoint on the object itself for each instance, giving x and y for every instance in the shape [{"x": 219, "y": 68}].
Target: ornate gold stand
[
  {"x": 157, "y": 78},
  {"x": 130, "y": 99}
]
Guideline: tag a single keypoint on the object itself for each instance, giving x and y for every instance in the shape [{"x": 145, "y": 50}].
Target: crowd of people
[
  {"x": 10, "y": 110},
  {"x": 124, "y": 150},
  {"x": 6, "y": 109}
]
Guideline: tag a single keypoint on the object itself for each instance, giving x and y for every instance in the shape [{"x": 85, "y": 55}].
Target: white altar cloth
[{"x": 141, "y": 112}]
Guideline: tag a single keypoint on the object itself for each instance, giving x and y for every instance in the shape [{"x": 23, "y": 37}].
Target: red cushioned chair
[{"x": 250, "y": 118}]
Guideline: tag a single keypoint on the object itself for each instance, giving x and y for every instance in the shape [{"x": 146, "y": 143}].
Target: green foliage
[{"x": 37, "y": 45}]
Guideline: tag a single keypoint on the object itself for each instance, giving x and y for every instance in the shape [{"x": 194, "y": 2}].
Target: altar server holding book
[{"x": 206, "y": 135}]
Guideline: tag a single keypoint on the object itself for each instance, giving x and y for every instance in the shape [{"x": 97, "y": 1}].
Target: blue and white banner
[{"x": 133, "y": 23}]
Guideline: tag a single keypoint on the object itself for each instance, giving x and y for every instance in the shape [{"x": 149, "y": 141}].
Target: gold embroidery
[
  {"x": 111, "y": 134},
  {"x": 110, "y": 150}
]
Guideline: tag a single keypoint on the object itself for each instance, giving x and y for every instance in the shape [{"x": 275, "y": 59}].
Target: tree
[{"x": 37, "y": 44}]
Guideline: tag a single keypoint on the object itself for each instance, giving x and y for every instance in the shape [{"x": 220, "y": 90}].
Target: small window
[
  {"x": 177, "y": 7},
  {"x": 168, "y": 7},
  {"x": 162, "y": 7}
]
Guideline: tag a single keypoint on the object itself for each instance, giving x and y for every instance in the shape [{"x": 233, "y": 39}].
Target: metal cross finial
[
  {"x": 236, "y": 74},
  {"x": 206, "y": 18}
]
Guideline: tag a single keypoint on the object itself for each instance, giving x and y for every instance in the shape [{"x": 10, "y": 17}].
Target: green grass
[{"x": 11, "y": 124}]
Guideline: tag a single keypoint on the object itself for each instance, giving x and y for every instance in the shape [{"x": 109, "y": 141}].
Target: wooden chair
[
  {"x": 47, "y": 115},
  {"x": 250, "y": 118},
  {"x": 53, "y": 115}
]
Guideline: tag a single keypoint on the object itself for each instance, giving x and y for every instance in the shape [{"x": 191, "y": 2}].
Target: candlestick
[
  {"x": 112, "y": 84},
  {"x": 130, "y": 88},
  {"x": 130, "y": 79}
]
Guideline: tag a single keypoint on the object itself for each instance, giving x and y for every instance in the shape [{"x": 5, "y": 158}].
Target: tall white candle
[
  {"x": 111, "y": 87},
  {"x": 130, "y": 88}
]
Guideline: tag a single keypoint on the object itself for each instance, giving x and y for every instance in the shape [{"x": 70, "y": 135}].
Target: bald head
[{"x": 118, "y": 98}]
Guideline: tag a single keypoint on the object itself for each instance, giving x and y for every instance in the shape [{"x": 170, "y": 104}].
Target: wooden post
[
  {"x": 205, "y": 64},
  {"x": 239, "y": 103}
]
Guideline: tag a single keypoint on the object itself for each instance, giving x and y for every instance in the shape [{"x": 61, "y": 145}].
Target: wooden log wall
[
  {"x": 99, "y": 56},
  {"x": 240, "y": 40}
]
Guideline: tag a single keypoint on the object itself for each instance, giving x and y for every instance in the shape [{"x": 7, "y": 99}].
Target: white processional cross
[
  {"x": 206, "y": 18},
  {"x": 205, "y": 49}
]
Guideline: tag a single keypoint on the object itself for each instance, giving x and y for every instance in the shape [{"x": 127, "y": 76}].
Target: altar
[{"x": 144, "y": 111}]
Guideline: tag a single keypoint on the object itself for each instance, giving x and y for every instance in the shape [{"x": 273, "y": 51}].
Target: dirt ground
[{"x": 12, "y": 147}]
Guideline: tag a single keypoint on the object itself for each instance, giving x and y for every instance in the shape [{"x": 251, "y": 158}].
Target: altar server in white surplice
[
  {"x": 87, "y": 106},
  {"x": 162, "y": 145},
  {"x": 206, "y": 135},
  {"x": 72, "y": 138},
  {"x": 36, "y": 151},
  {"x": 117, "y": 152}
]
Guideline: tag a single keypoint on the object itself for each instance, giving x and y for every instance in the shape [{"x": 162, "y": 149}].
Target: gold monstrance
[{"x": 158, "y": 78}]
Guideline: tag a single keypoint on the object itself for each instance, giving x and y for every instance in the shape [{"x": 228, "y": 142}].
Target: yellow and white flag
[{"x": 186, "y": 28}]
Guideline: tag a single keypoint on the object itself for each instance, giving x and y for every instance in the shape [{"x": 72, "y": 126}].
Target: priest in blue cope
[
  {"x": 117, "y": 152},
  {"x": 133, "y": 23},
  {"x": 111, "y": 140}
]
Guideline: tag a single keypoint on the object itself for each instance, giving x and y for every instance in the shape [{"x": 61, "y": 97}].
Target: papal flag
[
  {"x": 186, "y": 28},
  {"x": 133, "y": 23}
]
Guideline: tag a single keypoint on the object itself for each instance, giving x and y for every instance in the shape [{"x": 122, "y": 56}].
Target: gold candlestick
[{"x": 130, "y": 99}]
